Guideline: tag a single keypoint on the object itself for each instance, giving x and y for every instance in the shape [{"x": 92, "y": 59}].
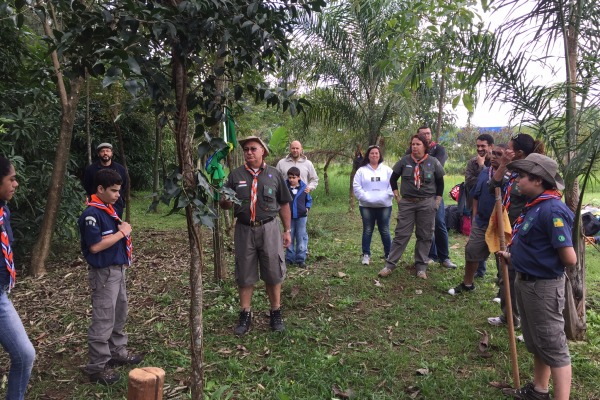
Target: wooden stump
[{"x": 146, "y": 384}]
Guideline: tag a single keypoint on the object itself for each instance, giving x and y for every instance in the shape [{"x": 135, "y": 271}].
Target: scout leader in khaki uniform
[{"x": 259, "y": 243}]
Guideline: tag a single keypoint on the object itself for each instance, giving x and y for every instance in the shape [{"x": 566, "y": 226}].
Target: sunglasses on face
[{"x": 252, "y": 149}]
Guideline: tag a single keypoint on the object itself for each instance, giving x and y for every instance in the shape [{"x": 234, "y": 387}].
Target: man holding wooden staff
[{"x": 541, "y": 248}]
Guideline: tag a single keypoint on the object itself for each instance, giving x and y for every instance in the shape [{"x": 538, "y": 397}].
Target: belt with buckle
[
  {"x": 254, "y": 224},
  {"x": 531, "y": 278},
  {"x": 415, "y": 199}
]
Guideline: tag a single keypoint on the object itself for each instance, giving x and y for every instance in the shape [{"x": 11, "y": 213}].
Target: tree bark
[
  {"x": 186, "y": 165},
  {"x": 438, "y": 130},
  {"x": 155, "y": 165}
]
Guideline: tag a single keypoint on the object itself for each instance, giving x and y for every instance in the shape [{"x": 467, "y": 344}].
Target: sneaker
[
  {"x": 497, "y": 300},
  {"x": 105, "y": 377},
  {"x": 276, "y": 321},
  {"x": 366, "y": 259},
  {"x": 499, "y": 321},
  {"x": 421, "y": 274},
  {"x": 244, "y": 323},
  {"x": 448, "y": 264},
  {"x": 385, "y": 272},
  {"x": 461, "y": 288},
  {"x": 429, "y": 262},
  {"x": 129, "y": 358},
  {"x": 526, "y": 392}
]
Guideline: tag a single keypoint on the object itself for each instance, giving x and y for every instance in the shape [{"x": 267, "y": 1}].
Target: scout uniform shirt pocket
[
  {"x": 269, "y": 202},
  {"x": 242, "y": 190}
]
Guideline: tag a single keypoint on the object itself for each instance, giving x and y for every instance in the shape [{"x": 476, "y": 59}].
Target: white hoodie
[{"x": 372, "y": 186}]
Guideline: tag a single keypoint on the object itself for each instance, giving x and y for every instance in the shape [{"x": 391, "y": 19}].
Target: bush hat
[
  {"x": 104, "y": 146},
  {"x": 243, "y": 141},
  {"x": 542, "y": 166}
]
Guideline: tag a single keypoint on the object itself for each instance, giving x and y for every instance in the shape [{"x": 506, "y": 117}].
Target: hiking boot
[
  {"x": 276, "y": 321},
  {"x": 244, "y": 323},
  {"x": 129, "y": 358},
  {"x": 366, "y": 259},
  {"x": 384, "y": 272},
  {"x": 448, "y": 264},
  {"x": 105, "y": 377},
  {"x": 421, "y": 274},
  {"x": 526, "y": 392},
  {"x": 460, "y": 289}
]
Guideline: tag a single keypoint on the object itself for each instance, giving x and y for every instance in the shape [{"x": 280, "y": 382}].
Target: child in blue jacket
[{"x": 296, "y": 252}]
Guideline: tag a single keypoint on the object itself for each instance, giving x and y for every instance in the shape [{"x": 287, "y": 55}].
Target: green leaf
[
  {"x": 133, "y": 65},
  {"x": 455, "y": 101},
  {"x": 468, "y": 101}
]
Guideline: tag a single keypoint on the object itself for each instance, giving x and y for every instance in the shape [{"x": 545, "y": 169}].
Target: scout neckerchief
[
  {"x": 417, "y": 173},
  {"x": 509, "y": 185},
  {"x": 7, "y": 252},
  {"x": 108, "y": 208},
  {"x": 253, "y": 193},
  {"x": 547, "y": 195}
]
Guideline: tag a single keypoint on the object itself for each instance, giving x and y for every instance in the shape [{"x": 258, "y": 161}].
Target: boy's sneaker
[
  {"x": 526, "y": 392},
  {"x": 105, "y": 377},
  {"x": 129, "y": 358},
  {"x": 276, "y": 321},
  {"x": 460, "y": 289},
  {"x": 366, "y": 259},
  {"x": 448, "y": 264},
  {"x": 244, "y": 323},
  {"x": 385, "y": 272}
]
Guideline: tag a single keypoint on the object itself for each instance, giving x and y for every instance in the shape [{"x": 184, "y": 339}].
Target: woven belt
[
  {"x": 415, "y": 199},
  {"x": 530, "y": 278},
  {"x": 254, "y": 224}
]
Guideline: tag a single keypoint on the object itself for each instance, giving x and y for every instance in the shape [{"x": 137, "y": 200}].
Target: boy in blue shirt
[
  {"x": 296, "y": 252},
  {"x": 106, "y": 246}
]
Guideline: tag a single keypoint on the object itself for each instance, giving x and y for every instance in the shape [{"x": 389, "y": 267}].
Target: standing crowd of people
[{"x": 540, "y": 250}]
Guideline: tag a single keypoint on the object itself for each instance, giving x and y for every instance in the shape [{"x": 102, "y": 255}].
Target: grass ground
[{"x": 347, "y": 330}]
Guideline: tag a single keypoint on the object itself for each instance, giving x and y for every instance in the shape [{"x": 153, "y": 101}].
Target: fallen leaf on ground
[
  {"x": 341, "y": 274},
  {"x": 423, "y": 371},
  {"x": 343, "y": 394},
  {"x": 377, "y": 283},
  {"x": 295, "y": 291},
  {"x": 499, "y": 385}
]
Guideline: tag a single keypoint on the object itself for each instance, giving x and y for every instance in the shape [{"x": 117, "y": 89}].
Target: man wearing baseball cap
[
  {"x": 540, "y": 250},
  {"x": 105, "y": 160},
  {"x": 259, "y": 243}
]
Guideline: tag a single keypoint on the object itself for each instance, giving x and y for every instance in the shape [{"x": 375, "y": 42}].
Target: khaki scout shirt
[{"x": 431, "y": 169}]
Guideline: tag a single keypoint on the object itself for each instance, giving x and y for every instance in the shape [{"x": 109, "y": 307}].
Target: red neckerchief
[
  {"x": 7, "y": 252},
  {"x": 253, "y": 193},
  {"x": 509, "y": 186},
  {"x": 108, "y": 208},
  {"x": 417, "y": 173},
  {"x": 546, "y": 195}
]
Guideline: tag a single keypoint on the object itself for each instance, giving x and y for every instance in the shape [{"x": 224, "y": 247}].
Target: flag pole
[{"x": 507, "y": 299}]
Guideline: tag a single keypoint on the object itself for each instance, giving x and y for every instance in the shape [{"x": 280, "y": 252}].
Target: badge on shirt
[
  {"x": 558, "y": 222},
  {"x": 90, "y": 221},
  {"x": 270, "y": 190},
  {"x": 242, "y": 183},
  {"x": 561, "y": 238}
]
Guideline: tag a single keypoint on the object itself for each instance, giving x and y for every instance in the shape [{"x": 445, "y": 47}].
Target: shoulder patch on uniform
[
  {"x": 90, "y": 221},
  {"x": 561, "y": 238},
  {"x": 558, "y": 222}
]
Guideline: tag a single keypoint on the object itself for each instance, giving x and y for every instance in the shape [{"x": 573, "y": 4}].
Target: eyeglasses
[
  {"x": 252, "y": 149},
  {"x": 372, "y": 147}
]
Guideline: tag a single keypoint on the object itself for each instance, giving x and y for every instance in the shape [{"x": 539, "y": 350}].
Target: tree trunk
[
  {"x": 186, "y": 165},
  {"x": 87, "y": 119},
  {"x": 575, "y": 327},
  {"x": 438, "y": 130},
  {"x": 155, "y": 165},
  {"x": 124, "y": 162},
  {"x": 325, "y": 174},
  {"x": 68, "y": 102}
]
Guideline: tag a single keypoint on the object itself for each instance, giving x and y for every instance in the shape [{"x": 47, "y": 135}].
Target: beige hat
[
  {"x": 254, "y": 139},
  {"x": 539, "y": 165},
  {"x": 104, "y": 146}
]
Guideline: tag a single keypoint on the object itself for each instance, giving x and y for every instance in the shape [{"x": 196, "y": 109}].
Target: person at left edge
[
  {"x": 12, "y": 332},
  {"x": 106, "y": 246},
  {"x": 105, "y": 161},
  {"x": 258, "y": 241}
]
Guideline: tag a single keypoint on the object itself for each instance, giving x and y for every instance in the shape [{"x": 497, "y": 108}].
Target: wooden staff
[{"x": 509, "y": 314}]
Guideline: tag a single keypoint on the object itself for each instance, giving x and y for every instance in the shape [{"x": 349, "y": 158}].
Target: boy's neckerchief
[
  {"x": 109, "y": 209},
  {"x": 417, "y": 173},
  {"x": 509, "y": 185},
  {"x": 7, "y": 252},
  {"x": 253, "y": 193},
  {"x": 546, "y": 195}
]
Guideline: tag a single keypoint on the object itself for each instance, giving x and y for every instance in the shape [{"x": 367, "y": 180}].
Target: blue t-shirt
[
  {"x": 4, "y": 275},
  {"x": 485, "y": 199},
  {"x": 93, "y": 225},
  {"x": 546, "y": 227}
]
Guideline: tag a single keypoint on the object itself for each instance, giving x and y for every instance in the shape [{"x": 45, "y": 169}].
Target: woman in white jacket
[{"x": 372, "y": 189}]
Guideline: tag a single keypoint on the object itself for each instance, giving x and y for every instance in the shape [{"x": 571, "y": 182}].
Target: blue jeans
[
  {"x": 16, "y": 343},
  {"x": 381, "y": 215},
  {"x": 296, "y": 252},
  {"x": 439, "y": 245}
]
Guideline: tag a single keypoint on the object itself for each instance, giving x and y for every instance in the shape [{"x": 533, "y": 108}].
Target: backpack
[
  {"x": 453, "y": 218},
  {"x": 591, "y": 225}
]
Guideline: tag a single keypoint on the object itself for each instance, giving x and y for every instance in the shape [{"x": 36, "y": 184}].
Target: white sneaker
[
  {"x": 497, "y": 300},
  {"x": 496, "y": 321},
  {"x": 366, "y": 259}
]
